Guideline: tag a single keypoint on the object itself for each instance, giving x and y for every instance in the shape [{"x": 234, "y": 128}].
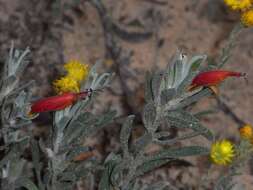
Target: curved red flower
[
  {"x": 59, "y": 102},
  {"x": 212, "y": 78}
]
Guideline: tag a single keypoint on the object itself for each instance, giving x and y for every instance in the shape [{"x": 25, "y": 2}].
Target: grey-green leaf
[
  {"x": 26, "y": 183},
  {"x": 183, "y": 119},
  {"x": 196, "y": 61},
  {"x": 16, "y": 167},
  {"x": 36, "y": 162},
  {"x": 180, "y": 152},
  {"x": 105, "y": 183},
  {"x": 85, "y": 125},
  {"x": 156, "y": 82},
  {"x": 167, "y": 95},
  {"x": 149, "y": 115},
  {"x": 125, "y": 134},
  {"x": 162, "y": 185},
  {"x": 148, "y": 87},
  {"x": 151, "y": 165}
]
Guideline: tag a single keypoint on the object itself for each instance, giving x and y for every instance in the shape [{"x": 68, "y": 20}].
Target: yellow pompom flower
[
  {"x": 247, "y": 18},
  {"x": 222, "y": 152},
  {"x": 246, "y": 132},
  {"x": 66, "y": 84},
  {"x": 76, "y": 70},
  {"x": 238, "y": 4}
]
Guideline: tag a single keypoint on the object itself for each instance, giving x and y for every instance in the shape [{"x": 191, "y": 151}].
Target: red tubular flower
[
  {"x": 59, "y": 102},
  {"x": 212, "y": 78}
]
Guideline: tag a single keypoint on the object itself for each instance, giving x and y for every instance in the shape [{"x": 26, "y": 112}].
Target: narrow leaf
[
  {"x": 148, "y": 88},
  {"x": 151, "y": 165},
  {"x": 167, "y": 95},
  {"x": 104, "y": 183},
  {"x": 196, "y": 61},
  {"x": 26, "y": 183},
  {"x": 149, "y": 115},
  {"x": 180, "y": 152},
  {"x": 183, "y": 119},
  {"x": 156, "y": 81},
  {"x": 125, "y": 135}
]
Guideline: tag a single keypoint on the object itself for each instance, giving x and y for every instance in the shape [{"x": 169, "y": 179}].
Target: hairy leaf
[
  {"x": 196, "y": 61},
  {"x": 148, "y": 88},
  {"x": 156, "y": 82},
  {"x": 177, "y": 71},
  {"x": 179, "y": 152},
  {"x": 125, "y": 135},
  {"x": 15, "y": 152},
  {"x": 26, "y": 183},
  {"x": 151, "y": 165},
  {"x": 183, "y": 119},
  {"x": 36, "y": 162},
  {"x": 167, "y": 95},
  {"x": 16, "y": 167},
  {"x": 87, "y": 124},
  {"x": 105, "y": 182},
  {"x": 149, "y": 115},
  {"x": 162, "y": 185},
  {"x": 164, "y": 156}
]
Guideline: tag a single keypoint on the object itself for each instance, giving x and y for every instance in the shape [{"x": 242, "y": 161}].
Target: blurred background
[{"x": 148, "y": 32}]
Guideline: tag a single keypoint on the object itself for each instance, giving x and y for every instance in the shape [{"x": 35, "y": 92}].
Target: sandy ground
[{"x": 195, "y": 27}]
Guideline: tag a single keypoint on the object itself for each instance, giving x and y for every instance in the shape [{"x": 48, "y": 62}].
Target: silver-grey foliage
[
  {"x": 13, "y": 97},
  {"x": 52, "y": 166},
  {"x": 70, "y": 127},
  {"x": 162, "y": 105}
]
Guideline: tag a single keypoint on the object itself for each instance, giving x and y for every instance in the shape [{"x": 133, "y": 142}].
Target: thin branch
[
  {"x": 228, "y": 111},
  {"x": 226, "y": 51},
  {"x": 114, "y": 51}
]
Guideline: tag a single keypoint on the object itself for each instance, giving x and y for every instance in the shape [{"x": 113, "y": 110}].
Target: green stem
[{"x": 229, "y": 46}]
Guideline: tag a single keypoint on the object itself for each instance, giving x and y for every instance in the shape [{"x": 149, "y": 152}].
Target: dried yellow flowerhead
[
  {"x": 66, "y": 84},
  {"x": 77, "y": 70},
  {"x": 222, "y": 152},
  {"x": 247, "y": 18},
  {"x": 76, "y": 73},
  {"x": 246, "y": 132},
  {"x": 238, "y": 4}
]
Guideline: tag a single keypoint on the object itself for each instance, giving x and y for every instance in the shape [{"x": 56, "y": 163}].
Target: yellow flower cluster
[
  {"x": 238, "y": 4},
  {"x": 246, "y": 7},
  {"x": 247, "y": 18},
  {"x": 76, "y": 70},
  {"x": 246, "y": 132},
  {"x": 66, "y": 84},
  {"x": 222, "y": 152},
  {"x": 76, "y": 73}
]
